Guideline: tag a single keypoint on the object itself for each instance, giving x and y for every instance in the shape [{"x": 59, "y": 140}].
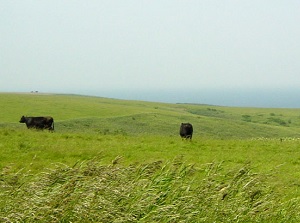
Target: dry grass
[{"x": 155, "y": 192}]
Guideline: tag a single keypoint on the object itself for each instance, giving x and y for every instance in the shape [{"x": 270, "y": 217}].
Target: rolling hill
[{"x": 76, "y": 113}]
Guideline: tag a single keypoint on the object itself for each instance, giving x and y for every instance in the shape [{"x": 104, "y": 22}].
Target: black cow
[
  {"x": 38, "y": 122},
  {"x": 186, "y": 131}
]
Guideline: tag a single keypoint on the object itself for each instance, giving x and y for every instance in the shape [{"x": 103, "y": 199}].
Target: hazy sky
[{"x": 94, "y": 47}]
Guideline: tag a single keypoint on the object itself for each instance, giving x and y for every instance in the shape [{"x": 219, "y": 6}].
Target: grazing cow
[
  {"x": 186, "y": 131},
  {"x": 38, "y": 122}
]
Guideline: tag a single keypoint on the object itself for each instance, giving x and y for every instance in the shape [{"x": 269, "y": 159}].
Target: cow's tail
[{"x": 53, "y": 126}]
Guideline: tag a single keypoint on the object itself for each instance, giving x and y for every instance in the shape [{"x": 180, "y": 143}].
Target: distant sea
[{"x": 274, "y": 98}]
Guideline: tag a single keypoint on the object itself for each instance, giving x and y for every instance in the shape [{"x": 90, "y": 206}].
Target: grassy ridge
[{"x": 229, "y": 164}]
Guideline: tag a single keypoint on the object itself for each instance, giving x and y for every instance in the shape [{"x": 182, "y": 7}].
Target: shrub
[
  {"x": 246, "y": 118},
  {"x": 278, "y": 121}
]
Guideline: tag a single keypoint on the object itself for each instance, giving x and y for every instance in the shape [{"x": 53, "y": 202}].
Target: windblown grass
[{"x": 154, "y": 192}]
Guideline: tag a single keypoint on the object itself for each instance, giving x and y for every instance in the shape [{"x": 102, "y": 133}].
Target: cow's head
[{"x": 23, "y": 119}]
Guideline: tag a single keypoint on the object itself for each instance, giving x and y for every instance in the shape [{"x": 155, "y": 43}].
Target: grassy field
[{"x": 113, "y": 160}]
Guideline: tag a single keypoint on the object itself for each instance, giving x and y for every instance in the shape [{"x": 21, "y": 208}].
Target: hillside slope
[{"x": 75, "y": 113}]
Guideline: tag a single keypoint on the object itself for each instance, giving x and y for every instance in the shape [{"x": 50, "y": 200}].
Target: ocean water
[{"x": 272, "y": 98}]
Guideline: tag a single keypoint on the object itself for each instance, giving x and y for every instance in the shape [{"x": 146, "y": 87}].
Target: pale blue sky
[{"x": 103, "y": 47}]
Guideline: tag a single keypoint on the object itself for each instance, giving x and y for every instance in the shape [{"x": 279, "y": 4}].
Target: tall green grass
[{"x": 153, "y": 192}]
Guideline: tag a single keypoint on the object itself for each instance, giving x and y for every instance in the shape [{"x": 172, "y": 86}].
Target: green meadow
[{"x": 112, "y": 160}]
